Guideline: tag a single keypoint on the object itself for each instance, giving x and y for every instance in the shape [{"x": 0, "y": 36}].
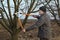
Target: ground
[{"x": 31, "y": 35}]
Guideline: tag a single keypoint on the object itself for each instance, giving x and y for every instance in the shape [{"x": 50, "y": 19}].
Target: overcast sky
[{"x": 12, "y": 10}]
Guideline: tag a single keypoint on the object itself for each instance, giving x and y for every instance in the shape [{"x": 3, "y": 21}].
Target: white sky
[{"x": 12, "y": 10}]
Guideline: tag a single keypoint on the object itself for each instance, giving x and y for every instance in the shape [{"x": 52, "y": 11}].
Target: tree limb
[
  {"x": 8, "y": 3},
  {"x": 5, "y": 12},
  {"x": 2, "y": 23}
]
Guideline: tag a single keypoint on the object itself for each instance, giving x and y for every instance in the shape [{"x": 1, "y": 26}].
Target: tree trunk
[{"x": 14, "y": 36}]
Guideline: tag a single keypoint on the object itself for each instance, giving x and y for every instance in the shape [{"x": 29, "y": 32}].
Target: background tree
[{"x": 55, "y": 10}]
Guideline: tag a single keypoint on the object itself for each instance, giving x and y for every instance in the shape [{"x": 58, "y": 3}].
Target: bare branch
[
  {"x": 2, "y": 23},
  {"x": 29, "y": 10},
  {"x": 4, "y": 18},
  {"x": 19, "y": 1},
  {"x": 5, "y": 12},
  {"x": 35, "y": 6},
  {"x": 8, "y": 3}
]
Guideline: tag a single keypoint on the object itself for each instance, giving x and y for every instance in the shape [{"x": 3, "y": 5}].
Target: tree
[
  {"x": 11, "y": 23},
  {"x": 55, "y": 10}
]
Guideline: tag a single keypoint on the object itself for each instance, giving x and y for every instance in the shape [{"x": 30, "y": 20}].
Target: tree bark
[{"x": 14, "y": 36}]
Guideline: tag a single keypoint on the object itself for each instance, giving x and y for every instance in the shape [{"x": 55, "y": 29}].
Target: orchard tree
[{"x": 54, "y": 9}]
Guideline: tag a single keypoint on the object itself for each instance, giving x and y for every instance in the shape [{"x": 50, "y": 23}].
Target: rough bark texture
[{"x": 14, "y": 37}]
